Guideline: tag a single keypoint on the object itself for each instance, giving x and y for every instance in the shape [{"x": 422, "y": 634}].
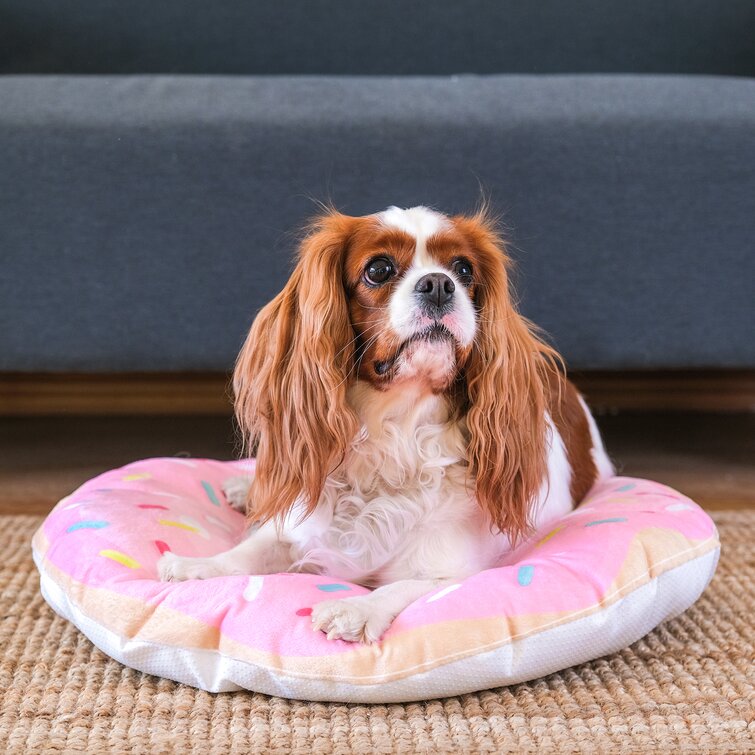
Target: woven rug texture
[{"x": 688, "y": 686}]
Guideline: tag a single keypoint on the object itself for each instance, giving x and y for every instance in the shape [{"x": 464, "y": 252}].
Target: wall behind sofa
[{"x": 365, "y": 37}]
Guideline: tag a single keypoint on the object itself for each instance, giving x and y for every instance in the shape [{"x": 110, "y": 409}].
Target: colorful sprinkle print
[
  {"x": 185, "y": 462},
  {"x": 162, "y": 547},
  {"x": 524, "y": 575},
  {"x": 180, "y": 525},
  {"x": 153, "y": 506},
  {"x": 626, "y": 488},
  {"x": 210, "y": 492},
  {"x": 214, "y": 520},
  {"x": 335, "y": 587},
  {"x": 200, "y": 530},
  {"x": 610, "y": 520},
  {"x": 121, "y": 558},
  {"x": 253, "y": 587},
  {"x": 551, "y": 534},
  {"x": 304, "y": 612},
  {"x": 137, "y": 476},
  {"x": 442, "y": 593},
  {"x": 91, "y": 525}
]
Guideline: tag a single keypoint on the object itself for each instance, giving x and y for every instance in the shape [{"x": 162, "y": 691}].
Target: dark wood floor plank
[
  {"x": 707, "y": 456},
  {"x": 209, "y": 393}
]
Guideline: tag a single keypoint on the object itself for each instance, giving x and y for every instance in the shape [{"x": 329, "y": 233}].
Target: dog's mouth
[{"x": 435, "y": 332}]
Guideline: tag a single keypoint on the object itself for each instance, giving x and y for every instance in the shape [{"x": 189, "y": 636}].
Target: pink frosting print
[{"x": 111, "y": 532}]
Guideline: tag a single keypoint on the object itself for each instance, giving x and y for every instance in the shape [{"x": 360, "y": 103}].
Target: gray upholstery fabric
[
  {"x": 144, "y": 220},
  {"x": 377, "y": 36}
]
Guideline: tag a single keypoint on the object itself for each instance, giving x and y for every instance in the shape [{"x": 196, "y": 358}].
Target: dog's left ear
[
  {"x": 507, "y": 378},
  {"x": 292, "y": 374}
]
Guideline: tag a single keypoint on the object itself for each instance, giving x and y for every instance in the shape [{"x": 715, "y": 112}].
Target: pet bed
[{"x": 632, "y": 555}]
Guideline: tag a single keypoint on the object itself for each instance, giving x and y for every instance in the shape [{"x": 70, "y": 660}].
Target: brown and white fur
[{"x": 409, "y": 425}]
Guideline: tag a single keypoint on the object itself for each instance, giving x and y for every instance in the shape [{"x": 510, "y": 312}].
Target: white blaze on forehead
[
  {"x": 406, "y": 317},
  {"x": 420, "y": 223}
]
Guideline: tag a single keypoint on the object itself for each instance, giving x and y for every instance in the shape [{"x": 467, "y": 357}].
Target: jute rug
[{"x": 689, "y": 685}]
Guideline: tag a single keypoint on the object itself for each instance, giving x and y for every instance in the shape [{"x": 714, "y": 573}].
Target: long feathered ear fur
[
  {"x": 507, "y": 376},
  {"x": 291, "y": 377}
]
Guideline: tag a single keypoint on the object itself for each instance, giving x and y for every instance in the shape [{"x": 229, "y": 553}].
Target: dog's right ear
[
  {"x": 507, "y": 378},
  {"x": 292, "y": 374}
]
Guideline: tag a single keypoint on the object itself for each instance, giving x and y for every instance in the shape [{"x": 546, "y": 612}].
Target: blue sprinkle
[
  {"x": 87, "y": 526},
  {"x": 625, "y": 488},
  {"x": 525, "y": 574},
  {"x": 210, "y": 492},
  {"x": 333, "y": 587},
  {"x": 607, "y": 521}
]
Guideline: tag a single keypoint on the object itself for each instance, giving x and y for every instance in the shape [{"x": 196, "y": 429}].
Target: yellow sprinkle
[
  {"x": 121, "y": 558},
  {"x": 183, "y": 526},
  {"x": 550, "y": 535},
  {"x": 137, "y": 476}
]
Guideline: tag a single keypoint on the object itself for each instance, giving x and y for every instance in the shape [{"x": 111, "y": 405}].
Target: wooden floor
[{"x": 707, "y": 456}]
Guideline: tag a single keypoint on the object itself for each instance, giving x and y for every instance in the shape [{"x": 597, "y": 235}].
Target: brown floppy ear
[
  {"x": 506, "y": 379},
  {"x": 291, "y": 377}
]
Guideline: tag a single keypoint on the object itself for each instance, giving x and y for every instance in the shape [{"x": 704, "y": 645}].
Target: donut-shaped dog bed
[{"x": 632, "y": 555}]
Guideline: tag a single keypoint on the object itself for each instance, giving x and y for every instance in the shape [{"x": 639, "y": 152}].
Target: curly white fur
[{"x": 398, "y": 500}]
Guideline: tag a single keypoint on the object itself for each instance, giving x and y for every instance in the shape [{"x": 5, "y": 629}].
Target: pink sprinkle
[
  {"x": 153, "y": 506},
  {"x": 304, "y": 612},
  {"x": 162, "y": 547}
]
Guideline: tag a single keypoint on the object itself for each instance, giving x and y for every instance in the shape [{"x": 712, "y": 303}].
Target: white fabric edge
[{"x": 574, "y": 642}]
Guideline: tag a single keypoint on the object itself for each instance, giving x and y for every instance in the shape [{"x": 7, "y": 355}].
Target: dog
[{"x": 410, "y": 427}]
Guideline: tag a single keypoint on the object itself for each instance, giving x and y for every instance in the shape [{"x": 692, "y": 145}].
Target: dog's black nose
[{"x": 436, "y": 289}]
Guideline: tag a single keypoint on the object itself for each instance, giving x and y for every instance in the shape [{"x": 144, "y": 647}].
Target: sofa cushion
[{"x": 144, "y": 220}]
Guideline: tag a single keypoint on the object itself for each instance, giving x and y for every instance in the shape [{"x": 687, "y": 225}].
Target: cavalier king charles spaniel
[{"x": 409, "y": 425}]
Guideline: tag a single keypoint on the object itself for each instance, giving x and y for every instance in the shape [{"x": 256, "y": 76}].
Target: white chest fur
[{"x": 400, "y": 506}]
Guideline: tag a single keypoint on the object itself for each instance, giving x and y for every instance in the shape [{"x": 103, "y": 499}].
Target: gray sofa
[{"x": 156, "y": 160}]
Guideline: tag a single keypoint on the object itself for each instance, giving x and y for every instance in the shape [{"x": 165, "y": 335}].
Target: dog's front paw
[
  {"x": 173, "y": 568},
  {"x": 351, "y": 619},
  {"x": 236, "y": 491}
]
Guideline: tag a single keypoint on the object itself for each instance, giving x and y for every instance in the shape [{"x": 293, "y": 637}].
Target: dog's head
[{"x": 397, "y": 298}]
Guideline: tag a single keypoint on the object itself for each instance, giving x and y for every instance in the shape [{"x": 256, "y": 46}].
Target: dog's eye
[
  {"x": 463, "y": 270},
  {"x": 379, "y": 271}
]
